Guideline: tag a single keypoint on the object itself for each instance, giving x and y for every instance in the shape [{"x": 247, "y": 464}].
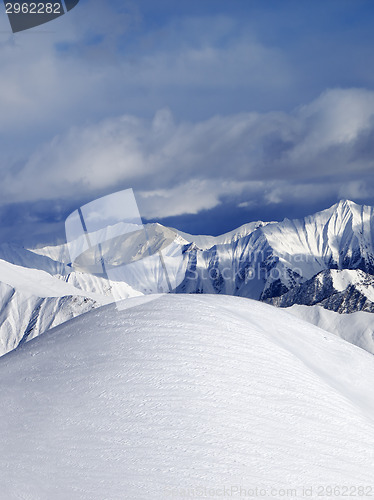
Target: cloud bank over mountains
[{"x": 322, "y": 148}]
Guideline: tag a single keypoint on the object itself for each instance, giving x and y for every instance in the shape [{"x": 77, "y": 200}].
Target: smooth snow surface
[
  {"x": 184, "y": 392},
  {"x": 357, "y": 327}
]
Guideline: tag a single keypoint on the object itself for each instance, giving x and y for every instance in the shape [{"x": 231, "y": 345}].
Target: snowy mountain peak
[
  {"x": 345, "y": 203},
  {"x": 282, "y": 254},
  {"x": 300, "y": 261}
]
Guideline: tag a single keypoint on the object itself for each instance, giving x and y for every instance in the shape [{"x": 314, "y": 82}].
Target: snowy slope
[
  {"x": 180, "y": 393},
  {"x": 37, "y": 282},
  {"x": 20, "y": 256},
  {"x": 341, "y": 236},
  {"x": 57, "y": 252},
  {"x": 120, "y": 243},
  {"x": 204, "y": 242},
  {"x": 24, "y": 316},
  {"x": 356, "y": 328},
  {"x": 89, "y": 283},
  {"x": 33, "y": 301}
]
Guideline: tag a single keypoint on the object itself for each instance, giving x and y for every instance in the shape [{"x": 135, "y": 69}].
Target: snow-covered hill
[{"x": 184, "y": 393}]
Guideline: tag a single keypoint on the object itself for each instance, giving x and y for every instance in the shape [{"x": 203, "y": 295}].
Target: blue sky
[{"x": 216, "y": 112}]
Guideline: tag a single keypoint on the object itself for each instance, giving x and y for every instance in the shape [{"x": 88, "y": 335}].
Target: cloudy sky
[{"x": 216, "y": 112}]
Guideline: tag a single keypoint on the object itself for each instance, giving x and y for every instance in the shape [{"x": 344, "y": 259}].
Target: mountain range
[{"x": 325, "y": 260}]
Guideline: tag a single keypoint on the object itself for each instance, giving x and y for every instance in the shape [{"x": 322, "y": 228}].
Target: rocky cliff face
[
  {"x": 343, "y": 291},
  {"x": 294, "y": 262}
]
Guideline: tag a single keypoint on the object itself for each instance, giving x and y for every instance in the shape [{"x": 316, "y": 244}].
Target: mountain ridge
[{"x": 278, "y": 262}]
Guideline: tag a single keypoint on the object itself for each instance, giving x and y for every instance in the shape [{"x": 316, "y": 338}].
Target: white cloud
[
  {"x": 188, "y": 198},
  {"x": 184, "y": 167},
  {"x": 335, "y": 119}
]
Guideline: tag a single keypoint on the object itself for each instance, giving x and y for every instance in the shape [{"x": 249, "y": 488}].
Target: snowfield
[
  {"x": 179, "y": 393},
  {"x": 357, "y": 328}
]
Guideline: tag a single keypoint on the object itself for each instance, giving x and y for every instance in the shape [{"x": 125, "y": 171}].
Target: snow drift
[{"x": 180, "y": 393}]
